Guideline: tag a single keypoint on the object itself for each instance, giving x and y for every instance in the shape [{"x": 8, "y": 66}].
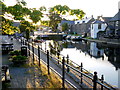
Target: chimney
[
  {"x": 92, "y": 16},
  {"x": 119, "y": 5}
]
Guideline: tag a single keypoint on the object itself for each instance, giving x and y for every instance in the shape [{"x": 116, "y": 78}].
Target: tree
[
  {"x": 20, "y": 12},
  {"x": 65, "y": 27},
  {"x": 26, "y": 27},
  {"x": 36, "y": 15},
  {"x": 78, "y": 13},
  {"x": 59, "y": 9},
  {"x": 54, "y": 20},
  {"x": 45, "y": 23},
  {"x": 55, "y": 15}
]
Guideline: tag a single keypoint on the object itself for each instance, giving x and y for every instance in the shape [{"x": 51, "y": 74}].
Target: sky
[{"x": 106, "y": 8}]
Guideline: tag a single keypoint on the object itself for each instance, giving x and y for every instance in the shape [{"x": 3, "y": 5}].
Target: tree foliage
[
  {"x": 7, "y": 27},
  {"x": 59, "y": 9},
  {"x": 20, "y": 12},
  {"x": 54, "y": 20},
  {"x": 65, "y": 27},
  {"x": 78, "y": 13},
  {"x": 26, "y": 27},
  {"x": 36, "y": 15},
  {"x": 55, "y": 15},
  {"x": 56, "y": 12},
  {"x": 45, "y": 23}
]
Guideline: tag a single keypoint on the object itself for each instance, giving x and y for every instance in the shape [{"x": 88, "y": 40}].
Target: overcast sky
[{"x": 107, "y": 8}]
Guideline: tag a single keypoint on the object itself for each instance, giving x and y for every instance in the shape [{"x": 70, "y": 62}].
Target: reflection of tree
[
  {"x": 55, "y": 47},
  {"x": 65, "y": 44}
]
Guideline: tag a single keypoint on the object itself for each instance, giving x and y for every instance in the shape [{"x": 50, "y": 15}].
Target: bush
[
  {"x": 16, "y": 52},
  {"x": 19, "y": 59}
]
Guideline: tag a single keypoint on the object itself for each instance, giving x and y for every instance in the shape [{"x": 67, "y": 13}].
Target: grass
[{"x": 49, "y": 81}]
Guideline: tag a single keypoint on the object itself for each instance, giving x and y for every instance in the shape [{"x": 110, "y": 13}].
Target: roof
[
  {"x": 68, "y": 22},
  {"x": 111, "y": 27},
  {"x": 85, "y": 20},
  {"x": 107, "y": 19},
  {"x": 97, "y": 22},
  {"x": 116, "y": 17}
]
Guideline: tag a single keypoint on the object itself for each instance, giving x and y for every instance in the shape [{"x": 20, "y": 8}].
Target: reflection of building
[
  {"x": 119, "y": 78},
  {"x": 113, "y": 54},
  {"x": 94, "y": 51}
]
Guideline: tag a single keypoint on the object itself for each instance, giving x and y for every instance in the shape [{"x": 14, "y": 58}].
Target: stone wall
[{"x": 82, "y": 28}]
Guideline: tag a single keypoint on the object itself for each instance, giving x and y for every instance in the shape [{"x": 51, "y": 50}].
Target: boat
[
  {"x": 68, "y": 37},
  {"x": 76, "y": 38}
]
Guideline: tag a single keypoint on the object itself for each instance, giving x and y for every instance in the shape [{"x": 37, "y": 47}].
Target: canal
[{"x": 100, "y": 57}]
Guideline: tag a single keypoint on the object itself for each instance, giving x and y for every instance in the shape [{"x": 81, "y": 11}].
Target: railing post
[
  {"x": 21, "y": 41},
  {"x": 81, "y": 69},
  {"x": 63, "y": 73},
  {"x": 33, "y": 52},
  {"x": 41, "y": 46},
  {"x": 39, "y": 54},
  {"x": 68, "y": 63},
  {"x": 28, "y": 48},
  {"x": 102, "y": 79},
  {"x": 48, "y": 66},
  {"x": 95, "y": 81},
  {"x": 58, "y": 54},
  {"x": 45, "y": 46}
]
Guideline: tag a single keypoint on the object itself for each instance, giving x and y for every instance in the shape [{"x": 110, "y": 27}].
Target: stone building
[
  {"x": 116, "y": 21},
  {"x": 82, "y": 27}
]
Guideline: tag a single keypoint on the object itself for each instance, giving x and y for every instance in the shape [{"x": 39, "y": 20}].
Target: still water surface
[{"x": 103, "y": 58}]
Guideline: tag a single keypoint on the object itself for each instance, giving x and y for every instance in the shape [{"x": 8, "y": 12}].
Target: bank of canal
[{"x": 103, "y": 58}]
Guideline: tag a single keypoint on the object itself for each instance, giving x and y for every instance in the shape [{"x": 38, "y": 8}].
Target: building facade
[
  {"x": 96, "y": 27},
  {"x": 82, "y": 27}
]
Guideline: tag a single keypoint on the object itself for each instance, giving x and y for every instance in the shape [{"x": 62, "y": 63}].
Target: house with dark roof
[
  {"x": 116, "y": 21},
  {"x": 82, "y": 27},
  {"x": 96, "y": 27},
  {"x": 113, "y": 29},
  {"x": 104, "y": 19}
]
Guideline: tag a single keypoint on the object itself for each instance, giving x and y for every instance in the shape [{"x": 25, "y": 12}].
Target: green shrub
[
  {"x": 16, "y": 52},
  {"x": 18, "y": 59}
]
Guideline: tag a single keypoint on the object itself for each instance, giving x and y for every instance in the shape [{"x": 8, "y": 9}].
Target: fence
[
  {"x": 37, "y": 57},
  {"x": 75, "y": 71}
]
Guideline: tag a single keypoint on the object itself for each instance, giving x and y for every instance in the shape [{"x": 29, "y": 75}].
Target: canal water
[{"x": 99, "y": 57}]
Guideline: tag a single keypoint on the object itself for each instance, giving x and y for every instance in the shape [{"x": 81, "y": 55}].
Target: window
[
  {"x": 117, "y": 23},
  {"x": 99, "y": 26}
]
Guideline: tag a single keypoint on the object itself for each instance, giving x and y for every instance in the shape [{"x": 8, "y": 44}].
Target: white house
[{"x": 97, "y": 26}]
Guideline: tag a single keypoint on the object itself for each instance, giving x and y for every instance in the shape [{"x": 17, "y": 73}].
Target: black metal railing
[{"x": 75, "y": 71}]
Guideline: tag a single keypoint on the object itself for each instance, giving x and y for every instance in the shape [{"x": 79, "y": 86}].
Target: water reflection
[{"x": 100, "y": 57}]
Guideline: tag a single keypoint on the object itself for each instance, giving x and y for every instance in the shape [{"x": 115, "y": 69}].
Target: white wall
[{"x": 95, "y": 29}]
